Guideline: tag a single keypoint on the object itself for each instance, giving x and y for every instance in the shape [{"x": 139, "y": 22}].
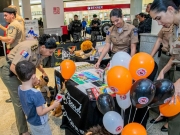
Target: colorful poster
[
  {"x": 84, "y": 77},
  {"x": 31, "y": 29}
]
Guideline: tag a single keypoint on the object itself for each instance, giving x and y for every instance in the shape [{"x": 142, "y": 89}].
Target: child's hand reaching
[{"x": 55, "y": 103}]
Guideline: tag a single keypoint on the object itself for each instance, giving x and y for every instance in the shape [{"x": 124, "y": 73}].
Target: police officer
[
  {"x": 166, "y": 13},
  {"x": 30, "y": 50},
  {"x": 148, "y": 20},
  {"x": 75, "y": 27},
  {"x": 18, "y": 18},
  {"x": 163, "y": 38},
  {"x": 95, "y": 27},
  {"x": 14, "y": 32},
  {"x": 122, "y": 35}
]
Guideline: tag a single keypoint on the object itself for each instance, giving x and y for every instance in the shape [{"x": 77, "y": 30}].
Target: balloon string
[
  {"x": 154, "y": 122},
  {"x": 134, "y": 115},
  {"x": 130, "y": 114},
  {"x": 145, "y": 114},
  {"x": 122, "y": 115}
]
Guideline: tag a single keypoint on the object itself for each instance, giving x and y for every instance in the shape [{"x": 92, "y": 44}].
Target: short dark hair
[
  {"x": 25, "y": 70},
  {"x": 162, "y": 5},
  {"x": 94, "y": 15},
  {"x": 75, "y": 15},
  {"x": 48, "y": 41},
  {"x": 116, "y": 12},
  {"x": 142, "y": 15}
]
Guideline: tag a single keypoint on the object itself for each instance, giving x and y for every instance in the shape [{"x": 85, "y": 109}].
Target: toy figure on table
[
  {"x": 86, "y": 51},
  {"x": 43, "y": 86}
]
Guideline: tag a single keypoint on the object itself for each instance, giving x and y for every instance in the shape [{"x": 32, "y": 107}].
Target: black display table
[{"x": 80, "y": 113}]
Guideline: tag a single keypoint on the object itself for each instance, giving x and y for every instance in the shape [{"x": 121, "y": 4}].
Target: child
[{"x": 32, "y": 100}]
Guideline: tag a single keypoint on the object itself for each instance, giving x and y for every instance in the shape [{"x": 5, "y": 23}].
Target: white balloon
[
  {"x": 113, "y": 122},
  {"x": 121, "y": 59},
  {"x": 123, "y": 101}
]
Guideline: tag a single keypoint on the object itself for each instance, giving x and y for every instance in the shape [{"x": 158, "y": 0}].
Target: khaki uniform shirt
[
  {"x": 26, "y": 50},
  {"x": 15, "y": 31},
  {"x": 122, "y": 40},
  {"x": 21, "y": 21},
  {"x": 165, "y": 34}
]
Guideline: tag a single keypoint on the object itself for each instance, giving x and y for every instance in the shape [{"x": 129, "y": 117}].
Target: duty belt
[{"x": 166, "y": 53}]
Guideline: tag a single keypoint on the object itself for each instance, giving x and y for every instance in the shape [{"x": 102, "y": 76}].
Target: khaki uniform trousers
[
  {"x": 174, "y": 122},
  {"x": 12, "y": 84},
  {"x": 162, "y": 63}
]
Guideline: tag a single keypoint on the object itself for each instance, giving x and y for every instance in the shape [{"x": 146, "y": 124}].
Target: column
[
  {"x": 26, "y": 9},
  {"x": 135, "y": 8},
  {"x": 53, "y": 13},
  {"x": 16, "y": 3}
]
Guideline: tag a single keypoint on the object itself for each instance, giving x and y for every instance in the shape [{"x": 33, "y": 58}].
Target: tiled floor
[{"x": 7, "y": 119}]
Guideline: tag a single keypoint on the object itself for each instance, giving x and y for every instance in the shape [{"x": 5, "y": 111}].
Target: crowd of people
[{"x": 18, "y": 68}]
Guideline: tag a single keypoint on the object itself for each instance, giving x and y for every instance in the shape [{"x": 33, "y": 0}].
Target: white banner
[{"x": 31, "y": 29}]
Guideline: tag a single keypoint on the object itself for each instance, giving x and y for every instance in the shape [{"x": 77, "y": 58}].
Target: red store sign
[
  {"x": 56, "y": 10},
  {"x": 99, "y": 7}
]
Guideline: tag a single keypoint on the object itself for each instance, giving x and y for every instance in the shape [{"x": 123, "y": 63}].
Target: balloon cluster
[{"x": 127, "y": 77}]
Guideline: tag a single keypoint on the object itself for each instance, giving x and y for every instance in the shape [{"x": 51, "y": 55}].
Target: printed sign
[
  {"x": 56, "y": 10},
  {"x": 143, "y": 100},
  {"x": 114, "y": 89},
  {"x": 118, "y": 129},
  {"x": 141, "y": 72},
  {"x": 94, "y": 7},
  {"x": 31, "y": 29}
]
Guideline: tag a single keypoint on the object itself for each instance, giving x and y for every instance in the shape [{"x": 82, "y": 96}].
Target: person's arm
[
  {"x": 104, "y": 52},
  {"x": 42, "y": 111},
  {"x": 40, "y": 68},
  {"x": 8, "y": 40},
  {"x": 165, "y": 69},
  {"x": 177, "y": 88},
  {"x": 3, "y": 28},
  {"x": 133, "y": 49},
  {"x": 156, "y": 46}
]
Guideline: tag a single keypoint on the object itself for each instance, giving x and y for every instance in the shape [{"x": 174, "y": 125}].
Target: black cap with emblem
[{"x": 9, "y": 10}]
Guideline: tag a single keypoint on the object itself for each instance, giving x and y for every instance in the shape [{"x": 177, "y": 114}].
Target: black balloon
[
  {"x": 142, "y": 93},
  {"x": 164, "y": 91},
  {"x": 105, "y": 103}
]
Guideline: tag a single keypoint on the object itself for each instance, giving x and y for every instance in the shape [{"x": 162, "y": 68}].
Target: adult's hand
[
  {"x": 97, "y": 65},
  {"x": 160, "y": 76},
  {"x": 177, "y": 88}
]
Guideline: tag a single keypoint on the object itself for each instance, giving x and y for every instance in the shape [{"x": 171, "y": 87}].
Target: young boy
[{"x": 32, "y": 100}]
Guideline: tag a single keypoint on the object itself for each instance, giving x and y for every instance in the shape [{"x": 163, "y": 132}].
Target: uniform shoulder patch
[
  {"x": 24, "y": 53},
  {"x": 135, "y": 30},
  {"x": 10, "y": 29},
  {"x": 108, "y": 32},
  {"x": 34, "y": 47}
]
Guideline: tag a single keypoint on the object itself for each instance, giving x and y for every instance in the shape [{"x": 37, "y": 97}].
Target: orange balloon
[
  {"x": 119, "y": 80},
  {"x": 170, "y": 110},
  {"x": 141, "y": 65},
  {"x": 67, "y": 68},
  {"x": 134, "y": 129}
]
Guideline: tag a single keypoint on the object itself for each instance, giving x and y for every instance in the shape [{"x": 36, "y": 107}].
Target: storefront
[
  {"x": 102, "y": 11},
  {"x": 86, "y": 9}
]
